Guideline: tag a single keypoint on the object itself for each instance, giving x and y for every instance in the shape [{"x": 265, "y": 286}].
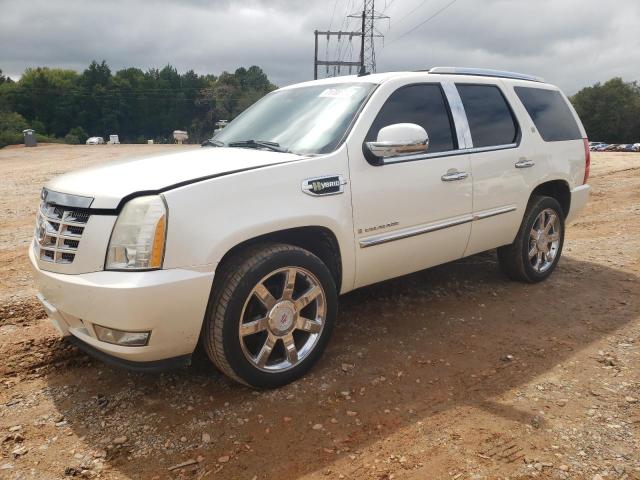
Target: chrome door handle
[
  {"x": 524, "y": 163},
  {"x": 453, "y": 175}
]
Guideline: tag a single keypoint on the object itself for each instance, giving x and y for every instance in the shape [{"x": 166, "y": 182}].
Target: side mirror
[{"x": 399, "y": 140}]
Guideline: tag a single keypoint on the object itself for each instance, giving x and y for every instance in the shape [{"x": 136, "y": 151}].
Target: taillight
[{"x": 587, "y": 160}]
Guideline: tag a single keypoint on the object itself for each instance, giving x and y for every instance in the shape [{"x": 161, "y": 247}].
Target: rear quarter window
[{"x": 550, "y": 113}]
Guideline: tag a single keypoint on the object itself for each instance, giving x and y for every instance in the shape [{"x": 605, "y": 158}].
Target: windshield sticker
[{"x": 340, "y": 92}]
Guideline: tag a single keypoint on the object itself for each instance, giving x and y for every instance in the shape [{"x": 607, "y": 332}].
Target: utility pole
[
  {"x": 363, "y": 70},
  {"x": 338, "y": 63},
  {"x": 368, "y": 34}
]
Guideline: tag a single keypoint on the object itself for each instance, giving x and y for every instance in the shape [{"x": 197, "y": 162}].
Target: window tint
[
  {"x": 550, "y": 113},
  {"x": 490, "y": 119},
  {"x": 423, "y": 105}
]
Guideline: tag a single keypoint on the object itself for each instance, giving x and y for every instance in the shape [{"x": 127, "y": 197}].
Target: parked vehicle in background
[
  {"x": 114, "y": 140},
  {"x": 636, "y": 147},
  {"x": 95, "y": 141},
  {"x": 594, "y": 146},
  {"x": 611, "y": 148},
  {"x": 180, "y": 136},
  {"x": 317, "y": 189},
  {"x": 629, "y": 147},
  {"x": 602, "y": 148}
]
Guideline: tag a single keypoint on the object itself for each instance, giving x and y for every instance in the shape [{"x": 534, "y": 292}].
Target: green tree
[
  {"x": 11, "y": 126},
  {"x": 79, "y": 133},
  {"x": 132, "y": 103},
  {"x": 4, "y": 79},
  {"x": 610, "y": 112}
]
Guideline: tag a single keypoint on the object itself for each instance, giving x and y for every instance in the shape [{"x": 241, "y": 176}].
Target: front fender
[{"x": 209, "y": 218}]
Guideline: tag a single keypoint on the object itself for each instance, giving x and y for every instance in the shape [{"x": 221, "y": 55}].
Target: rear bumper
[
  {"x": 579, "y": 198},
  {"x": 170, "y": 304}
]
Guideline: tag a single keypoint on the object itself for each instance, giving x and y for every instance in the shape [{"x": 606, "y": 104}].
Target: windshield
[{"x": 304, "y": 120}]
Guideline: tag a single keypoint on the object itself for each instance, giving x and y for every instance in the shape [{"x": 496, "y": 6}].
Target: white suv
[{"x": 243, "y": 246}]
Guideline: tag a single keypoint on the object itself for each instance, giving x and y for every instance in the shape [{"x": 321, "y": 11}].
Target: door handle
[
  {"x": 453, "y": 175},
  {"x": 524, "y": 163}
]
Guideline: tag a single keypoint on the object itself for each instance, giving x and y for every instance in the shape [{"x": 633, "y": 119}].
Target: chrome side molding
[
  {"x": 381, "y": 238},
  {"x": 413, "y": 231}
]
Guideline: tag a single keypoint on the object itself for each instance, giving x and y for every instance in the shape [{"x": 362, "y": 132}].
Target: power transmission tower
[
  {"x": 369, "y": 33},
  {"x": 338, "y": 63}
]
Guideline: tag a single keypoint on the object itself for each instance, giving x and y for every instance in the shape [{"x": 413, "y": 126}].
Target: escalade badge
[{"x": 320, "y": 186}]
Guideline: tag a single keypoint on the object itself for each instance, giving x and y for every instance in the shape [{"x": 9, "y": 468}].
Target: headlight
[{"x": 138, "y": 237}]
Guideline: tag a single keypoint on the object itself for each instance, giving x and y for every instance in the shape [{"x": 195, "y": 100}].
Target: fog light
[{"x": 120, "y": 337}]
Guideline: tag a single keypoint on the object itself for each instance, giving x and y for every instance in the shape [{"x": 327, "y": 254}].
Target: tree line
[
  {"x": 64, "y": 104},
  {"x": 610, "y": 111}
]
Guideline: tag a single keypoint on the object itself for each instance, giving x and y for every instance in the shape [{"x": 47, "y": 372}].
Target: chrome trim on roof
[{"x": 484, "y": 72}]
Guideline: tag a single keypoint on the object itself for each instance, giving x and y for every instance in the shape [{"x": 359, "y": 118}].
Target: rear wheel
[
  {"x": 536, "y": 250},
  {"x": 270, "y": 316}
]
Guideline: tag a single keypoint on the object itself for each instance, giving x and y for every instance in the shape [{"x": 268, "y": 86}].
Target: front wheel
[
  {"x": 270, "y": 316},
  {"x": 536, "y": 250}
]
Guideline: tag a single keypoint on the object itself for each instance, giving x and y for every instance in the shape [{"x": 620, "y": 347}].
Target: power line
[
  {"x": 387, "y": 6},
  {"x": 422, "y": 4},
  {"x": 438, "y": 12},
  {"x": 326, "y": 51},
  {"x": 333, "y": 14},
  {"x": 338, "y": 53}
]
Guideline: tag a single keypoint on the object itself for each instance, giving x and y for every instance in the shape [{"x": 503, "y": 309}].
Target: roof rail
[{"x": 484, "y": 72}]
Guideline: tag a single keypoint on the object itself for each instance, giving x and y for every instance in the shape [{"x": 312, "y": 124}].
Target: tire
[
  {"x": 251, "y": 309},
  {"x": 515, "y": 259}
]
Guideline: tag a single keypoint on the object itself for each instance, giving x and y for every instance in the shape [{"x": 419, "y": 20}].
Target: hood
[{"x": 109, "y": 183}]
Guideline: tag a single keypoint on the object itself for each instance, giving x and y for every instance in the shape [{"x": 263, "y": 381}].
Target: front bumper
[
  {"x": 169, "y": 303},
  {"x": 579, "y": 198}
]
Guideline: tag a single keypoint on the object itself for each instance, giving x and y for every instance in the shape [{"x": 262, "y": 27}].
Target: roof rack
[{"x": 484, "y": 72}]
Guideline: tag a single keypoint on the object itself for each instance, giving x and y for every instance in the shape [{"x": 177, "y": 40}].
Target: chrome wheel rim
[
  {"x": 282, "y": 319},
  {"x": 544, "y": 240}
]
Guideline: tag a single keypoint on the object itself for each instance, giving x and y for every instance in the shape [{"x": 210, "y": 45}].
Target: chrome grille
[{"x": 58, "y": 232}]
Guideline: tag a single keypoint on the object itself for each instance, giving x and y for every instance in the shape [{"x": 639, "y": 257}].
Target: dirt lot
[{"x": 451, "y": 373}]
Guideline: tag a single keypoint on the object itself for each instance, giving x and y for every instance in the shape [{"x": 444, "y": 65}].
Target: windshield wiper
[
  {"x": 212, "y": 143},
  {"x": 259, "y": 144}
]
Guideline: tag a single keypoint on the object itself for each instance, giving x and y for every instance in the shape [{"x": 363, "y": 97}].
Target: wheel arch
[
  {"x": 319, "y": 240},
  {"x": 558, "y": 189}
]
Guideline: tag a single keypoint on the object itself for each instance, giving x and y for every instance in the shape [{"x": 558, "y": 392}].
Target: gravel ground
[{"x": 452, "y": 373}]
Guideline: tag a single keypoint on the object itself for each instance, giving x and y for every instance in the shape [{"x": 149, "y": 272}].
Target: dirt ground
[{"x": 453, "y": 373}]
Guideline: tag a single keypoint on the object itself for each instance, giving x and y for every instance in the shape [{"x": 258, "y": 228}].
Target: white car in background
[
  {"x": 95, "y": 141},
  {"x": 243, "y": 246}
]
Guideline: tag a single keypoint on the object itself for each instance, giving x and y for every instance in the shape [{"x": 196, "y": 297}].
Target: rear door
[{"x": 503, "y": 165}]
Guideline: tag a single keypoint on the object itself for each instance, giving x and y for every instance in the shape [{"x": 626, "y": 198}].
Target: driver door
[{"x": 414, "y": 211}]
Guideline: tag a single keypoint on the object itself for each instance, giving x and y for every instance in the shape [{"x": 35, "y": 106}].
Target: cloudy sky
[{"x": 572, "y": 43}]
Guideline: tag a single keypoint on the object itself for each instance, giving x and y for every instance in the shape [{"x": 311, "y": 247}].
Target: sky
[{"x": 571, "y": 43}]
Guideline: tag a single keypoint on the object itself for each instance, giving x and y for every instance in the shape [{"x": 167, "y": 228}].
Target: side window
[
  {"x": 490, "y": 119},
  {"x": 423, "y": 105},
  {"x": 550, "y": 113}
]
